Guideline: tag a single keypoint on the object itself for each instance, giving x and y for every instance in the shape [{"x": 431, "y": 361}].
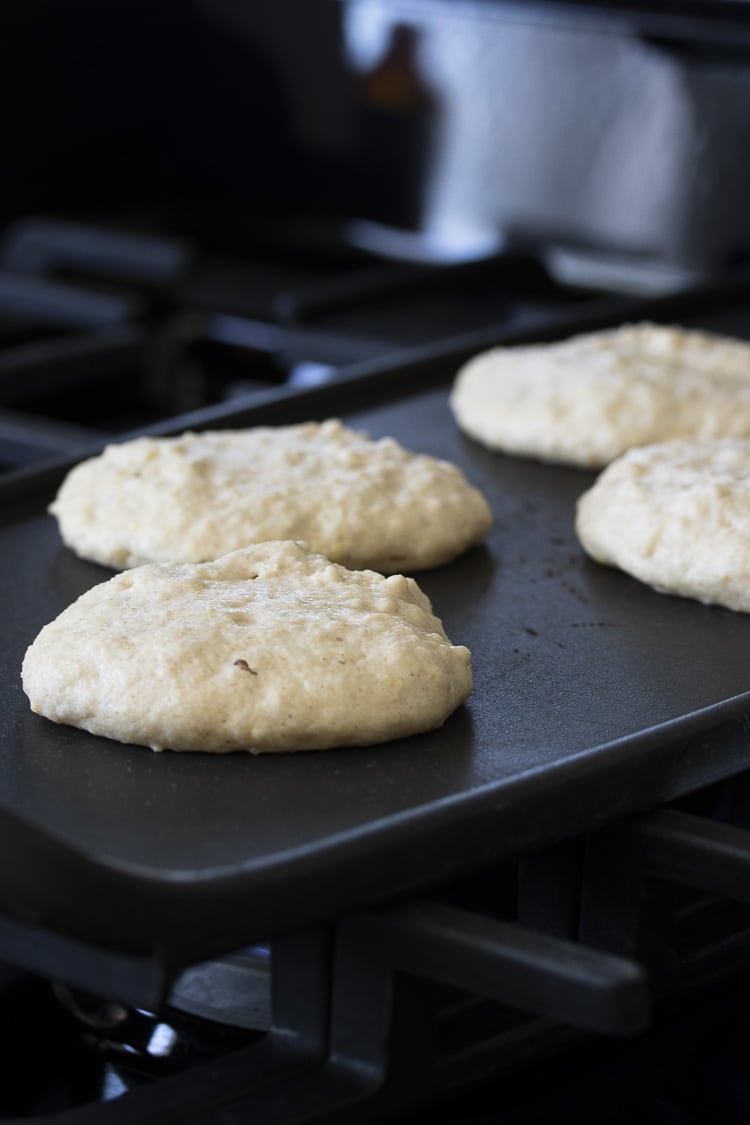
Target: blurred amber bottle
[{"x": 398, "y": 113}]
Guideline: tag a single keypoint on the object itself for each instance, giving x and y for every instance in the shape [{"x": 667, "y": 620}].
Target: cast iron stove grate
[
  {"x": 103, "y": 329},
  {"x": 424, "y": 1009}
]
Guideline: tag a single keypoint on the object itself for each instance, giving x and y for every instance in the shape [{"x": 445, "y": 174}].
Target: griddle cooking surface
[{"x": 569, "y": 660}]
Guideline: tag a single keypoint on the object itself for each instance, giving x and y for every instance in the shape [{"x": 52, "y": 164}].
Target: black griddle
[{"x": 594, "y": 697}]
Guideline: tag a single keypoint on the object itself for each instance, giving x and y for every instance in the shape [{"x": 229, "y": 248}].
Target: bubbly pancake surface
[
  {"x": 585, "y": 400},
  {"x": 197, "y": 497},
  {"x": 269, "y": 648},
  {"x": 675, "y": 515}
]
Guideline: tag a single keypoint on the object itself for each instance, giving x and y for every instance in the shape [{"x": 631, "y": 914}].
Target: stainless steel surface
[{"x": 585, "y": 136}]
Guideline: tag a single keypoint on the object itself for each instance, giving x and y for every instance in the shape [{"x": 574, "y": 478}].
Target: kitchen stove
[
  {"x": 104, "y": 329},
  {"x": 591, "y": 960},
  {"x": 98, "y": 1060}
]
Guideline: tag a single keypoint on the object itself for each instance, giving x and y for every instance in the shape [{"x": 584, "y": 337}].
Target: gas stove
[
  {"x": 544, "y": 907},
  {"x": 219, "y": 215},
  {"x": 105, "y": 329}
]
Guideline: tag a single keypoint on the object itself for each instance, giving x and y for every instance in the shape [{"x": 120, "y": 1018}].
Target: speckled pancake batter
[
  {"x": 270, "y": 648},
  {"x": 677, "y": 516},
  {"x": 199, "y": 496},
  {"x": 585, "y": 400}
]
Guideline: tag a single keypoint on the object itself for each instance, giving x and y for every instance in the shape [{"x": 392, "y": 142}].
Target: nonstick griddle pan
[{"x": 594, "y": 697}]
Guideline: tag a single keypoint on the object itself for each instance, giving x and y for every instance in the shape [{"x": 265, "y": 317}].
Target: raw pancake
[
  {"x": 585, "y": 400},
  {"x": 676, "y": 516},
  {"x": 199, "y": 496},
  {"x": 269, "y": 648}
]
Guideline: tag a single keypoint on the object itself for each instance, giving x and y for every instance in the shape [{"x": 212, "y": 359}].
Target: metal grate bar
[
  {"x": 693, "y": 850},
  {"x": 506, "y": 962}
]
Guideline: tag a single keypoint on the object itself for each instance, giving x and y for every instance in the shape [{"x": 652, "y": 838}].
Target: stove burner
[
  {"x": 137, "y": 1045},
  {"x": 234, "y": 990}
]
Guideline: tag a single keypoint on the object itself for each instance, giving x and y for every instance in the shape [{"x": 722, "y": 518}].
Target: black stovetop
[
  {"x": 107, "y": 327},
  {"x": 532, "y": 977}
]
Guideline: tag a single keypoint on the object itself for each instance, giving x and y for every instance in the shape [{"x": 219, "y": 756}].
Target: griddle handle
[{"x": 503, "y": 961}]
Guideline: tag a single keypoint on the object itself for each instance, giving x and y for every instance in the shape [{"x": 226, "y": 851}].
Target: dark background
[{"x": 621, "y": 127}]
